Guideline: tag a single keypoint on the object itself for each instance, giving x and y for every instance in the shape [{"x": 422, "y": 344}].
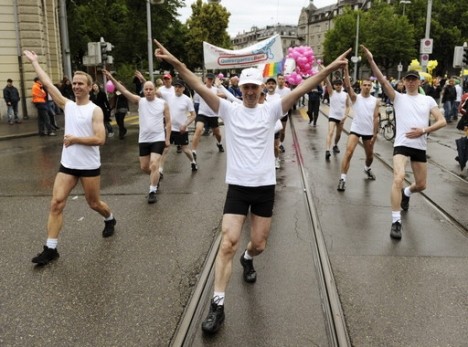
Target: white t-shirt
[
  {"x": 412, "y": 111},
  {"x": 271, "y": 98},
  {"x": 249, "y": 136},
  {"x": 167, "y": 93},
  {"x": 79, "y": 122},
  {"x": 204, "y": 109},
  {"x": 151, "y": 120},
  {"x": 179, "y": 107},
  {"x": 363, "y": 109},
  {"x": 282, "y": 92},
  {"x": 337, "y": 104}
]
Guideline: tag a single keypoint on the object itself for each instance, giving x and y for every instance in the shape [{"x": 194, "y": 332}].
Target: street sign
[
  {"x": 424, "y": 59},
  {"x": 400, "y": 68},
  {"x": 426, "y": 46}
]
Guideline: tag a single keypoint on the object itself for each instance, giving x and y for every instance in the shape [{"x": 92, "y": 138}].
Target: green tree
[{"x": 208, "y": 22}]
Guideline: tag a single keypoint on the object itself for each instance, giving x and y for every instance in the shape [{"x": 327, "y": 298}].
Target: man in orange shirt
[{"x": 39, "y": 99}]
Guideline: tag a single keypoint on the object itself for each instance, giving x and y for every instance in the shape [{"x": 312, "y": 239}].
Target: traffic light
[
  {"x": 465, "y": 56},
  {"x": 106, "y": 47}
]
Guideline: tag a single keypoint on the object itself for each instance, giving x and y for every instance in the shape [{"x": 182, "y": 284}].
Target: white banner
[{"x": 266, "y": 51}]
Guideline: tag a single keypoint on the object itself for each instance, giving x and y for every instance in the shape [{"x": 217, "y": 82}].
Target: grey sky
[{"x": 248, "y": 13}]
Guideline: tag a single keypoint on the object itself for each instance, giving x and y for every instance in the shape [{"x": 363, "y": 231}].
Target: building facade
[{"x": 31, "y": 25}]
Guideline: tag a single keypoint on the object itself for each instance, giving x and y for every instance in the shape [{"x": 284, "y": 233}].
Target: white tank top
[
  {"x": 151, "y": 120},
  {"x": 79, "y": 122},
  {"x": 363, "y": 109},
  {"x": 337, "y": 104}
]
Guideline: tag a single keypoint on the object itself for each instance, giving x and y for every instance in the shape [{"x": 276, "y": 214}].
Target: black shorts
[
  {"x": 179, "y": 139},
  {"x": 364, "y": 137},
  {"x": 80, "y": 173},
  {"x": 146, "y": 148},
  {"x": 414, "y": 154},
  {"x": 337, "y": 121},
  {"x": 210, "y": 122},
  {"x": 277, "y": 135},
  {"x": 260, "y": 200}
]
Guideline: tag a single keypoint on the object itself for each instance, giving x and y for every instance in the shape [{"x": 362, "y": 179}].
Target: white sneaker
[{"x": 277, "y": 163}]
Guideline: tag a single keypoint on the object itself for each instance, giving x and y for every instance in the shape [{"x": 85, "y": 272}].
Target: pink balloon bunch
[
  {"x": 304, "y": 58},
  {"x": 110, "y": 86}
]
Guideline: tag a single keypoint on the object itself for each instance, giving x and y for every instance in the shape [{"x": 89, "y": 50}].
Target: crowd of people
[{"x": 254, "y": 111}]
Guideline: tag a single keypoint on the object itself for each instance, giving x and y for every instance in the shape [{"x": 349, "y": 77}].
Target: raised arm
[
  {"x": 387, "y": 87},
  {"x": 56, "y": 95},
  {"x": 161, "y": 53},
  {"x": 133, "y": 98},
  {"x": 288, "y": 100},
  {"x": 348, "y": 86}
]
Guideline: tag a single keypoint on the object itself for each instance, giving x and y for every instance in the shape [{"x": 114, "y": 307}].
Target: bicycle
[{"x": 387, "y": 124}]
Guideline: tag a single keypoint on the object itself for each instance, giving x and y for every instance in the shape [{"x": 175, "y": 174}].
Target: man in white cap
[
  {"x": 250, "y": 173},
  {"x": 412, "y": 112}
]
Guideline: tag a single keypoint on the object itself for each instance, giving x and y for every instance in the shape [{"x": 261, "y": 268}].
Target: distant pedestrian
[
  {"x": 39, "y": 99},
  {"x": 155, "y": 130},
  {"x": 449, "y": 95},
  {"x": 119, "y": 104},
  {"x": 80, "y": 162},
  {"x": 412, "y": 112},
  {"x": 282, "y": 89},
  {"x": 313, "y": 106},
  {"x": 99, "y": 97},
  {"x": 12, "y": 97}
]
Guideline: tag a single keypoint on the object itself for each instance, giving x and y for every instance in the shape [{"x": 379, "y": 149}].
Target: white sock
[
  {"x": 52, "y": 243},
  {"x": 111, "y": 217},
  {"x": 343, "y": 177},
  {"x": 247, "y": 255},
  {"x": 367, "y": 168},
  {"x": 153, "y": 188},
  {"x": 396, "y": 216},
  {"x": 161, "y": 170},
  {"x": 218, "y": 298},
  {"x": 407, "y": 192}
]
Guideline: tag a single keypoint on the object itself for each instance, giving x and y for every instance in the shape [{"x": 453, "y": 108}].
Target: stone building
[{"x": 32, "y": 25}]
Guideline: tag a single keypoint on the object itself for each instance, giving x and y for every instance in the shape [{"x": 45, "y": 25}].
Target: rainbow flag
[{"x": 272, "y": 69}]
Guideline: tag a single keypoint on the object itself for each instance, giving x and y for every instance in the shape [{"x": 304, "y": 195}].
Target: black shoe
[
  {"x": 220, "y": 147},
  {"x": 161, "y": 175},
  {"x": 179, "y": 149},
  {"x": 122, "y": 133},
  {"x": 152, "y": 198},
  {"x": 281, "y": 147},
  {"x": 47, "y": 255},
  {"x": 109, "y": 227},
  {"x": 215, "y": 318},
  {"x": 395, "y": 232},
  {"x": 194, "y": 155},
  {"x": 336, "y": 149},
  {"x": 250, "y": 275},
  {"x": 327, "y": 155},
  {"x": 194, "y": 166},
  {"x": 404, "y": 201},
  {"x": 370, "y": 174},
  {"x": 341, "y": 185}
]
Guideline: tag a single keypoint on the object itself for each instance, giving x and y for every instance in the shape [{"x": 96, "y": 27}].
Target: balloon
[
  {"x": 220, "y": 76},
  {"x": 110, "y": 86}
]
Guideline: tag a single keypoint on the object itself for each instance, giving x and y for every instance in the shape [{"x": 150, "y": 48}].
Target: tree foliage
[{"x": 208, "y": 22}]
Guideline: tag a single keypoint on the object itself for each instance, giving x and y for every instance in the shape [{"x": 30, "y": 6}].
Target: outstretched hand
[
  {"x": 161, "y": 53},
  {"x": 367, "y": 53},
  {"x": 31, "y": 55},
  {"x": 341, "y": 61}
]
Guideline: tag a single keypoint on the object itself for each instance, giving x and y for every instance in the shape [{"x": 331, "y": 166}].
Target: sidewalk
[{"x": 26, "y": 128}]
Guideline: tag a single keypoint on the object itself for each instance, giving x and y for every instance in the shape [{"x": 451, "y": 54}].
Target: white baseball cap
[{"x": 251, "y": 75}]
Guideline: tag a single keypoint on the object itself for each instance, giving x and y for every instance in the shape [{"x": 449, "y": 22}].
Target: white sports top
[
  {"x": 79, "y": 122},
  {"x": 363, "y": 109},
  {"x": 151, "y": 120},
  {"x": 412, "y": 111},
  {"x": 179, "y": 107},
  {"x": 249, "y": 142},
  {"x": 204, "y": 109},
  {"x": 337, "y": 104}
]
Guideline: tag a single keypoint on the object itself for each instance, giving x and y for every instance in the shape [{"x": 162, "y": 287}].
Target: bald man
[{"x": 155, "y": 130}]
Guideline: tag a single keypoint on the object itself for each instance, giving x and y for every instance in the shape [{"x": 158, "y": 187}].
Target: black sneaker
[
  {"x": 152, "y": 198},
  {"x": 327, "y": 155},
  {"x": 179, "y": 149},
  {"x": 194, "y": 155},
  {"x": 215, "y": 318},
  {"x": 404, "y": 201},
  {"x": 250, "y": 275},
  {"x": 194, "y": 166},
  {"x": 220, "y": 147},
  {"x": 47, "y": 255},
  {"x": 395, "y": 231},
  {"x": 336, "y": 149},
  {"x": 370, "y": 174},
  {"x": 109, "y": 227},
  {"x": 341, "y": 185}
]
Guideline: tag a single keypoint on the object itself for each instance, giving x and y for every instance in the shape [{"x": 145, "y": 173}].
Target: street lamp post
[
  {"x": 356, "y": 58},
  {"x": 150, "y": 39},
  {"x": 428, "y": 31},
  {"x": 404, "y": 2}
]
